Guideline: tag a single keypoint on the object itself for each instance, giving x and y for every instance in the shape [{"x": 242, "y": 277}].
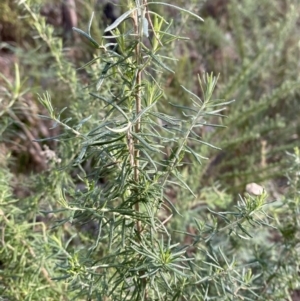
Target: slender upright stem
[
  {"x": 137, "y": 129},
  {"x": 138, "y": 108}
]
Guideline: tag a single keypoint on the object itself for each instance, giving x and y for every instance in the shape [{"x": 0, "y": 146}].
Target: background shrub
[{"x": 243, "y": 246}]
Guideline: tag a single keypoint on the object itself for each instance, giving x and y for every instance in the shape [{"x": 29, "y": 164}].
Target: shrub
[{"x": 123, "y": 213}]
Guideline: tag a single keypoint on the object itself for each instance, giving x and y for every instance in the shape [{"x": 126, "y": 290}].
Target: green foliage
[
  {"x": 130, "y": 147},
  {"x": 128, "y": 207},
  {"x": 25, "y": 250},
  {"x": 254, "y": 48}
]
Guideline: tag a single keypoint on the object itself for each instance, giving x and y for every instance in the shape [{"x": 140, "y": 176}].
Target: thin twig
[{"x": 151, "y": 24}]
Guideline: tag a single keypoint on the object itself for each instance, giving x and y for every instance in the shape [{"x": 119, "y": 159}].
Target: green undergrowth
[
  {"x": 80, "y": 221},
  {"x": 254, "y": 47}
]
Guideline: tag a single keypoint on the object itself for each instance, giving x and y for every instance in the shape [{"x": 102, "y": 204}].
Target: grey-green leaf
[
  {"x": 179, "y": 8},
  {"x": 119, "y": 20},
  {"x": 93, "y": 42}
]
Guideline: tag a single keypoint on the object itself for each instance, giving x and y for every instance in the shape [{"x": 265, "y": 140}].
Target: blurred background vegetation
[{"x": 253, "y": 45}]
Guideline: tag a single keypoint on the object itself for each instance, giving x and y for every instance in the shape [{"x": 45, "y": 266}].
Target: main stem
[
  {"x": 138, "y": 110},
  {"x": 138, "y": 105}
]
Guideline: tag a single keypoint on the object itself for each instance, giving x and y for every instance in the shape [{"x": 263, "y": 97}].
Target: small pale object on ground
[{"x": 254, "y": 189}]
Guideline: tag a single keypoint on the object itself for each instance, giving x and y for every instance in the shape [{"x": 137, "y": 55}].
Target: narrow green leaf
[
  {"x": 244, "y": 230},
  {"x": 173, "y": 208},
  {"x": 208, "y": 144},
  {"x": 111, "y": 231},
  {"x": 84, "y": 120},
  {"x": 145, "y": 110},
  {"x": 150, "y": 159},
  {"x": 213, "y": 265},
  {"x": 179, "y": 178},
  {"x": 160, "y": 63},
  {"x": 54, "y": 138},
  {"x": 212, "y": 258},
  {"x": 166, "y": 118},
  {"x": 165, "y": 280},
  {"x": 222, "y": 103},
  {"x": 93, "y": 42},
  {"x": 224, "y": 257},
  {"x": 99, "y": 83},
  {"x": 111, "y": 103},
  {"x": 193, "y": 94},
  {"x": 119, "y": 20},
  {"x": 46, "y": 102},
  {"x": 209, "y": 124},
  {"x": 179, "y": 8},
  {"x": 17, "y": 79},
  {"x": 7, "y": 81},
  {"x": 104, "y": 142},
  {"x": 147, "y": 145},
  {"x": 196, "y": 156},
  {"x": 120, "y": 130},
  {"x": 90, "y": 24},
  {"x": 81, "y": 155},
  {"x": 89, "y": 63},
  {"x": 183, "y": 107}
]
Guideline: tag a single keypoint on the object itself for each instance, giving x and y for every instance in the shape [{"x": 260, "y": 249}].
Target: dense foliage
[{"x": 124, "y": 160}]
